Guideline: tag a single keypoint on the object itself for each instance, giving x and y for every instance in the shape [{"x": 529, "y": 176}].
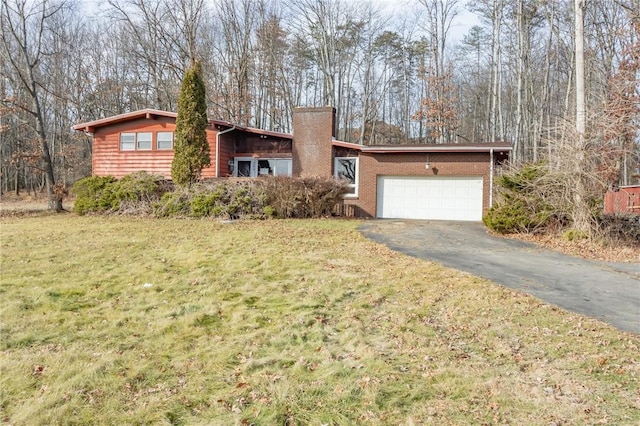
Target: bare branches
[
  {"x": 393, "y": 75},
  {"x": 23, "y": 37}
]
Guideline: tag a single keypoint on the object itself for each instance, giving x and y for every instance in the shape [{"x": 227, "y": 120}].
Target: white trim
[
  {"x": 166, "y": 140},
  {"x": 133, "y": 143},
  {"x": 149, "y": 141}
]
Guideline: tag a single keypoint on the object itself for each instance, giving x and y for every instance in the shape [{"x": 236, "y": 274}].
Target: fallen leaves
[{"x": 584, "y": 248}]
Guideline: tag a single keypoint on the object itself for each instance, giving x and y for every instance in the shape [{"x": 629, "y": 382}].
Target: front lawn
[{"x": 111, "y": 320}]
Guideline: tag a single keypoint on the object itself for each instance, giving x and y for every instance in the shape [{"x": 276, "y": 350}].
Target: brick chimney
[{"x": 313, "y": 130}]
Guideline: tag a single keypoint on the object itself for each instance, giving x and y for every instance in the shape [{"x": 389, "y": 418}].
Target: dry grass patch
[{"x": 142, "y": 321}]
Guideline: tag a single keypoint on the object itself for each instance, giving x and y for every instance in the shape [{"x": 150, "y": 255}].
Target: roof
[
  {"x": 405, "y": 149},
  {"x": 228, "y": 124},
  {"x": 91, "y": 126}
]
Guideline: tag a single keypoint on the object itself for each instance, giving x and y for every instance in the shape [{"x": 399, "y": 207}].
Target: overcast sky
[
  {"x": 396, "y": 8},
  {"x": 460, "y": 26}
]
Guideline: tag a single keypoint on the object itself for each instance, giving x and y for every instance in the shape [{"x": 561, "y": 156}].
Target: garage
[{"x": 432, "y": 197}]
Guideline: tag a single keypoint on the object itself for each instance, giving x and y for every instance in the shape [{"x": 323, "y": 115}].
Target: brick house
[{"x": 447, "y": 182}]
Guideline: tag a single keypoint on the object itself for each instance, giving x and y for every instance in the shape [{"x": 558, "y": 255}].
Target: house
[{"x": 442, "y": 182}]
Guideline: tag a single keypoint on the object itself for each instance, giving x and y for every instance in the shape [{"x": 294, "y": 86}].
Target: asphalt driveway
[{"x": 607, "y": 291}]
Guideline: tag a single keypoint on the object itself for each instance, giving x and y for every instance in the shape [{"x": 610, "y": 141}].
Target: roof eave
[
  {"x": 254, "y": 130},
  {"x": 349, "y": 145},
  {"x": 427, "y": 149},
  {"x": 91, "y": 126}
]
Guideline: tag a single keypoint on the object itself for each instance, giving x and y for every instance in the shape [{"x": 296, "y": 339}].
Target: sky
[
  {"x": 407, "y": 8},
  {"x": 459, "y": 27}
]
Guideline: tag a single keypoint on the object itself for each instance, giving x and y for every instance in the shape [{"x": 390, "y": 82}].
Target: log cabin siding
[
  {"x": 226, "y": 153},
  {"x": 109, "y": 160}
]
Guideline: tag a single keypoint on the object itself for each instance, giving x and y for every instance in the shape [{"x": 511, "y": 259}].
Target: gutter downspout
[
  {"x": 218, "y": 148},
  {"x": 491, "y": 178}
]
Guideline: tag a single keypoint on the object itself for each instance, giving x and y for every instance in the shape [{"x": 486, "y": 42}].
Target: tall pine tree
[{"x": 191, "y": 149}]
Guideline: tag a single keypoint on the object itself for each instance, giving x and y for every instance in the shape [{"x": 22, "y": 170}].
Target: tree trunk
[
  {"x": 55, "y": 200},
  {"x": 581, "y": 208},
  {"x": 495, "y": 113}
]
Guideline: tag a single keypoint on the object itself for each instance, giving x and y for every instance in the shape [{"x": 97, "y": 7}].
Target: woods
[{"x": 394, "y": 74}]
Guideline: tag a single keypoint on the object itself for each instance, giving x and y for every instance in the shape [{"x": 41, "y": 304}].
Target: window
[
  {"x": 347, "y": 168},
  {"x": 274, "y": 166},
  {"x": 127, "y": 141},
  {"x": 143, "y": 141},
  {"x": 253, "y": 167},
  {"x": 164, "y": 140},
  {"x": 244, "y": 167}
]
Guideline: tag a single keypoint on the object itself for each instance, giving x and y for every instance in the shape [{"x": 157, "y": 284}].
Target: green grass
[{"x": 109, "y": 320}]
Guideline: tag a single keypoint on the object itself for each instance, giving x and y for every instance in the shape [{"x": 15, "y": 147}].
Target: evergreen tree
[{"x": 191, "y": 148}]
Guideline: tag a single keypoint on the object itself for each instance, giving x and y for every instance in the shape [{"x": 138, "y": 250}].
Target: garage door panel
[{"x": 438, "y": 198}]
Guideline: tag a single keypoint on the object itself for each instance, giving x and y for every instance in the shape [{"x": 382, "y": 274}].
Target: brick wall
[
  {"x": 373, "y": 165},
  {"x": 313, "y": 130}
]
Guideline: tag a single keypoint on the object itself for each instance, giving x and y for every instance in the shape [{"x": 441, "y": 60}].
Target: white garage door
[{"x": 440, "y": 198}]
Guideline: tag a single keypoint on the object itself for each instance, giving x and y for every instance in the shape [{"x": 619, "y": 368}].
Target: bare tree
[
  {"x": 492, "y": 12},
  {"x": 334, "y": 31},
  {"x": 235, "y": 52},
  {"x": 438, "y": 105},
  {"x": 581, "y": 218},
  {"x": 581, "y": 113},
  {"x": 619, "y": 123},
  {"x": 24, "y": 36}
]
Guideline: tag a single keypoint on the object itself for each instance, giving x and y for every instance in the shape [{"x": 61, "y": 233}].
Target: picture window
[{"x": 346, "y": 168}]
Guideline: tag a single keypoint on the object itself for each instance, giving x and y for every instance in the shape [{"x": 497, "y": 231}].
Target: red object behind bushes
[{"x": 622, "y": 200}]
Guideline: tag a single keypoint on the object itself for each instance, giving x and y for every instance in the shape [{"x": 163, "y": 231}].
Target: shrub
[
  {"x": 95, "y": 194},
  {"x": 307, "y": 197},
  {"x": 141, "y": 186},
  {"x": 207, "y": 203},
  {"x": 516, "y": 216},
  {"x": 574, "y": 235},
  {"x": 137, "y": 192},
  {"x": 134, "y": 193},
  {"x": 269, "y": 211},
  {"x": 624, "y": 228},
  {"x": 245, "y": 199},
  {"x": 175, "y": 203},
  {"x": 284, "y": 195},
  {"x": 519, "y": 207},
  {"x": 522, "y": 179},
  {"x": 142, "y": 193},
  {"x": 225, "y": 199}
]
